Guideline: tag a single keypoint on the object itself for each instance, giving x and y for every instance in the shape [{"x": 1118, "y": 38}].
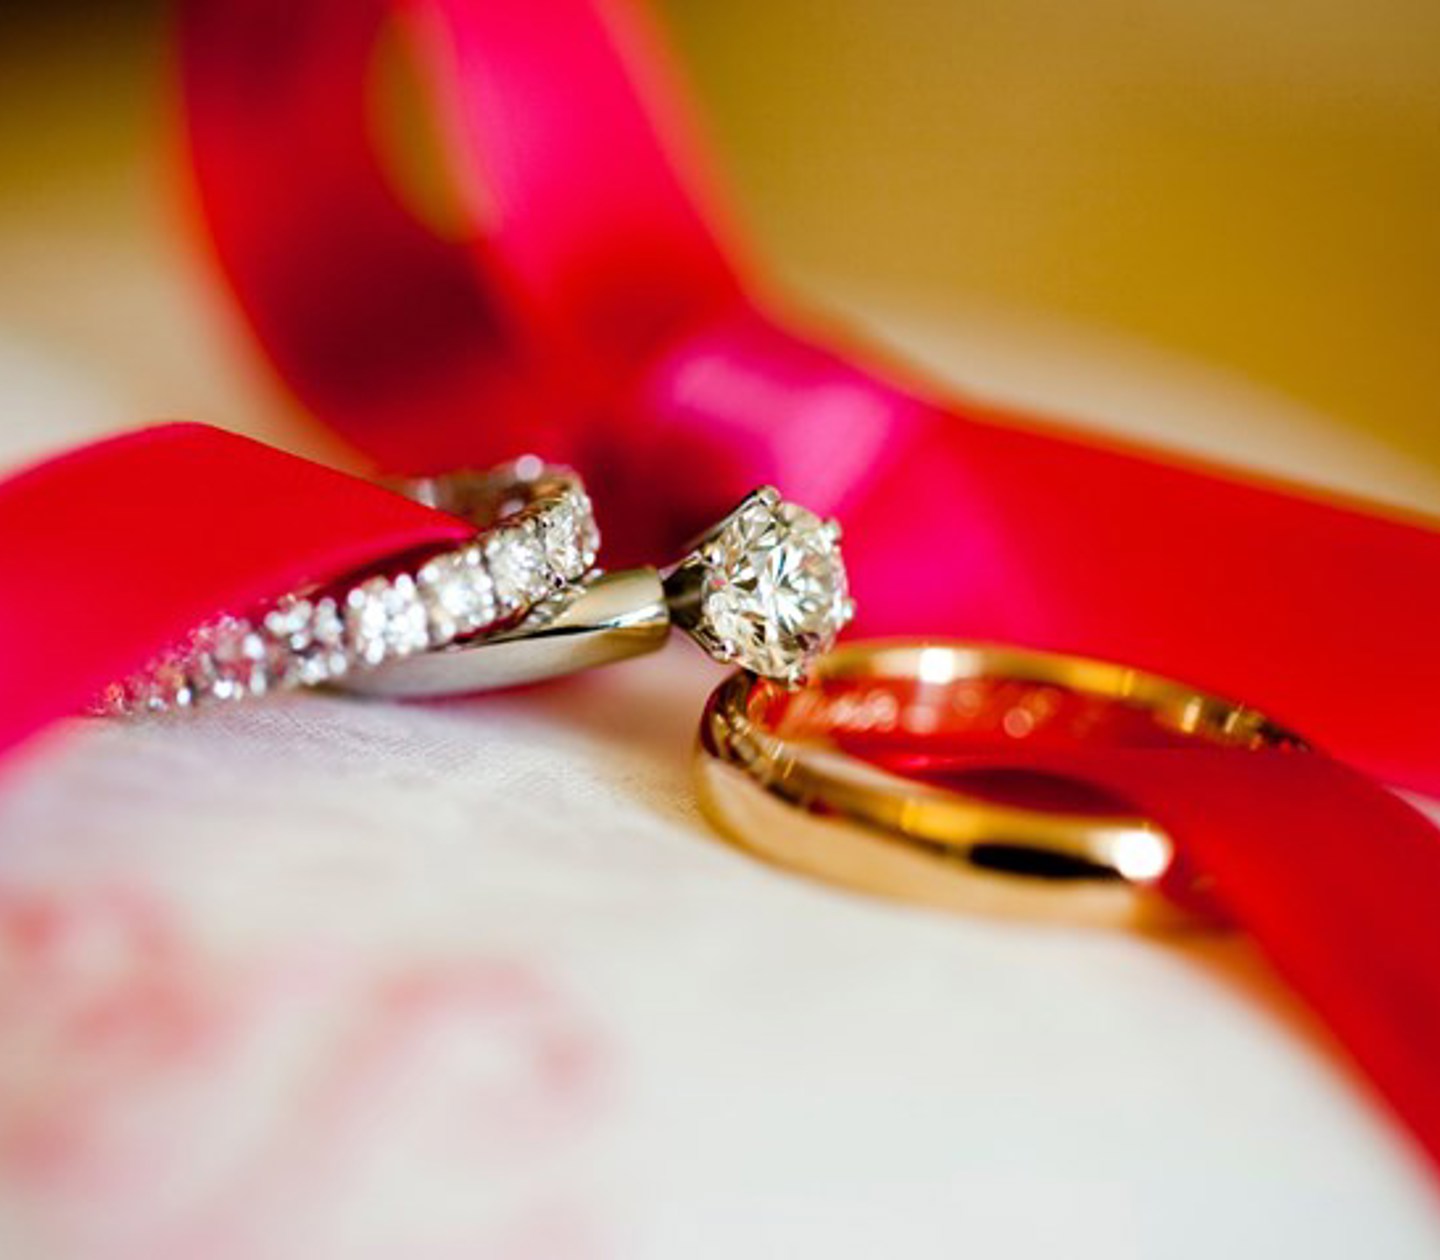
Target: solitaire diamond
[{"x": 771, "y": 592}]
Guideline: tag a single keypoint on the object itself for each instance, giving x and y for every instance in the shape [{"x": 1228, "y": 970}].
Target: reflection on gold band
[{"x": 773, "y": 777}]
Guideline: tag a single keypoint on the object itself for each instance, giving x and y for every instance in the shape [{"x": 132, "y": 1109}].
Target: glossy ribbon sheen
[
  {"x": 118, "y": 549},
  {"x": 590, "y": 312},
  {"x": 1288, "y": 842}
]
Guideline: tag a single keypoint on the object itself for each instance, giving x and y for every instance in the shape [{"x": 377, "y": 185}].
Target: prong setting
[{"x": 766, "y": 589}]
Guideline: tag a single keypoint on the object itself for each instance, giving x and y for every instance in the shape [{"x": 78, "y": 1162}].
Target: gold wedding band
[{"x": 776, "y": 776}]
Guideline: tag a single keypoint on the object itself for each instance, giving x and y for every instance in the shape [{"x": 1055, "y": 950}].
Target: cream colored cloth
[{"x": 331, "y": 979}]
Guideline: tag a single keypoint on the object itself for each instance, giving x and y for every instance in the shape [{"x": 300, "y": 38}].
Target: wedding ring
[
  {"x": 536, "y": 534},
  {"x": 920, "y": 771},
  {"x": 764, "y": 589}
]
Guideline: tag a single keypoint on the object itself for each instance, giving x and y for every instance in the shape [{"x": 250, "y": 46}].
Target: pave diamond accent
[
  {"x": 309, "y": 639},
  {"x": 772, "y": 589},
  {"x": 570, "y": 539},
  {"x": 229, "y": 659},
  {"x": 459, "y": 595},
  {"x": 385, "y": 620},
  {"x": 545, "y": 539},
  {"x": 515, "y": 556}
]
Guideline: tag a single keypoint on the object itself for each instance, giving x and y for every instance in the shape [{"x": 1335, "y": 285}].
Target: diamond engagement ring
[
  {"x": 536, "y": 535},
  {"x": 765, "y": 589}
]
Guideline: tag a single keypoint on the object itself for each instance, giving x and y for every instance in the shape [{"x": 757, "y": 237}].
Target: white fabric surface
[{"x": 325, "y": 978}]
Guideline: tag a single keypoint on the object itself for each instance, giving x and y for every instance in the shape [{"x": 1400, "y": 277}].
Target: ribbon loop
[
  {"x": 596, "y": 317},
  {"x": 117, "y": 550}
]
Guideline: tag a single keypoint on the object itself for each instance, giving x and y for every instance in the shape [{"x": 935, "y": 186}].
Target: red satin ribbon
[
  {"x": 1289, "y": 841},
  {"x": 116, "y": 550},
  {"x": 590, "y": 313}
]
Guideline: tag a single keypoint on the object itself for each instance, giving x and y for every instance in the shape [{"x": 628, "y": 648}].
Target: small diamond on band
[
  {"x": 537, "y": 536},
  {"x": 459, "y": 595}
]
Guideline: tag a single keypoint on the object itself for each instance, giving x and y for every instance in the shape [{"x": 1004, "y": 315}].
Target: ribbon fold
[{"x": 591, "y": 311}]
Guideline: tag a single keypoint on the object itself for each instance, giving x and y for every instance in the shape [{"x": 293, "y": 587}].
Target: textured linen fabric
[{"x": 329, "y": 978}]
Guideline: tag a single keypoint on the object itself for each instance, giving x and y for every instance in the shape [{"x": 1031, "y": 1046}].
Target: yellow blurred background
[{"x": 1254, "y": 185}]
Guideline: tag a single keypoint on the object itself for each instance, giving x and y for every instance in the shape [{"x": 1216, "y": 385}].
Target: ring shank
[
  {"x": 954, "y": 774},
  {"x": 613, "y": 617}
]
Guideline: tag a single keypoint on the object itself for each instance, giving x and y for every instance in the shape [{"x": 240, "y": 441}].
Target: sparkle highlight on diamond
[{"x": 773, "y": 594}]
